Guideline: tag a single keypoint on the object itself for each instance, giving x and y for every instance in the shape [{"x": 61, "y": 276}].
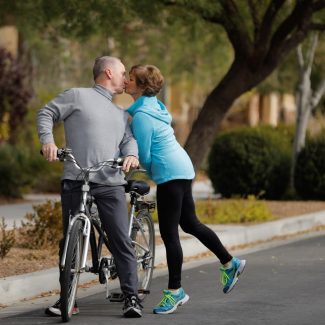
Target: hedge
[{"x": 249, "y": 161}]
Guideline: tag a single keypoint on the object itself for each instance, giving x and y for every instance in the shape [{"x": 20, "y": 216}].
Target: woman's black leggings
[{"x": 176, "y": 207}]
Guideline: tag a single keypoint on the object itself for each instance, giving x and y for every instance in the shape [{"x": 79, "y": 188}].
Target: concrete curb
[{"x": 19, "y": 287}]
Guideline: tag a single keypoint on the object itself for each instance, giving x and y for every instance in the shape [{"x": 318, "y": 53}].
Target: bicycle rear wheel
[
  {"x": 143, "y": 239},
  {"x": 70, "y": 273}
]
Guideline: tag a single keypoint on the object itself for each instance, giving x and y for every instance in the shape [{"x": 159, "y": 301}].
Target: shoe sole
[
  {"x": 179, "y": 303},
  {"x": 133, "y": 313},
  {"x": 239, "y": 271},
  {"x": 57, "y": 312}
]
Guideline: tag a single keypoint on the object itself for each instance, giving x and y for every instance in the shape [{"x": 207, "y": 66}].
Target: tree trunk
[
  {"x": 237, "y": 81},
  {"x": 301, "y": 129},
  {"x": 307, "y": 100},
  {"x": 299, "y": 141}
]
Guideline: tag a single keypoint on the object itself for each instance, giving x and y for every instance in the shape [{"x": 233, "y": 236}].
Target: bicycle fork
[
  {"x": 86, "y": 235},
  {"x": 86, "y": 229}
]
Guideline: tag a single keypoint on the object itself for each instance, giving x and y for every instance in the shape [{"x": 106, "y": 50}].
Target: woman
[{"x": 171, "y": 169}]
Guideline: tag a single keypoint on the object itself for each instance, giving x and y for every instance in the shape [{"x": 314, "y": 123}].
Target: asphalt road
[{"x": 281, "y": 285}]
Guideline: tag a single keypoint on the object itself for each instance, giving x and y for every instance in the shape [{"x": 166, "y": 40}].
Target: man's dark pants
[{"x": 112, "y": 208}]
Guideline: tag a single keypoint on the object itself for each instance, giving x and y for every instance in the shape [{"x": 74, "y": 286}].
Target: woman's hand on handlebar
[
  {"x": 50, "y": 151},
  {"x": 130, "y": 162}
]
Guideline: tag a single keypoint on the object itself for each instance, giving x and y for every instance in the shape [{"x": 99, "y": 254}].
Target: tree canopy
[{"x": 261, "y": 34}]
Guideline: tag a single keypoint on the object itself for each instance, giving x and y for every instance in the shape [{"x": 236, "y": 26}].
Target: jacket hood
[{"x": 151, "y": 106}]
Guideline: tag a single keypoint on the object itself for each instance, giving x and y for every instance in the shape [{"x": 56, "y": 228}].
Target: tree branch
[
  {"x": 194, "y": 7},
  {"x": 255, "y": 18},
  {"x": 268, "y": 19},
  {"x": 262, "y": 39},
  {"x": 317, "y": 26},
  {"x": 318, "y": 94},
  {"x": 284, "y": 36},
  {"x": 233, "y": 24},
  {"x": 215, "y": 18},
  {"x": 236, "y": 28},
  {"x": 311, "y": 53},
  {"x": 275, "y": 57},
  {"x": 300, "y": 57},
  {"x": 318, "y": 5}
]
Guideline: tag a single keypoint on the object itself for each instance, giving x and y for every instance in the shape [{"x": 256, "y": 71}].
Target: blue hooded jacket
[{"x": 159, "y": 152}]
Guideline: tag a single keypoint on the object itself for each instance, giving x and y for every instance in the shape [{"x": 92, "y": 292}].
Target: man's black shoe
[
  {"x": 55, "y": 310},
  {"x": 132, "y": 307}
]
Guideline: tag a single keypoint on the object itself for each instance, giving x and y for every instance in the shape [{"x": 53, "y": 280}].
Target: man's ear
[{"x": 108, "y": 73}]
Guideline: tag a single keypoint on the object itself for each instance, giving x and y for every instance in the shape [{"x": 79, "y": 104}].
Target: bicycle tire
[
  {"x": 143, "y": 239},
  {"x": 70, "y": 273}
]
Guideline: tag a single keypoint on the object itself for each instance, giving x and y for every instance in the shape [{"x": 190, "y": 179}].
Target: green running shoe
[
  {"x": 170, "y": 302},
  {"x": 229, "y": 276}
]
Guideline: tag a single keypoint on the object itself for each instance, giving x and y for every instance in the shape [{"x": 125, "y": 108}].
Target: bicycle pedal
[
  {"x": 143, "y": 291},
  {"x": 116, "y": 297}
]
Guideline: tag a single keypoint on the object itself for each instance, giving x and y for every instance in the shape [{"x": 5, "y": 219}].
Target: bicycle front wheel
[
  {"x": 143, "y": 239},
  {"x": 70, "y": 273}
]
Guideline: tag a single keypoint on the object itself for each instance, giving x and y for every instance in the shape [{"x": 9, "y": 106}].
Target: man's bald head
[{"x": 105, "y": 62}]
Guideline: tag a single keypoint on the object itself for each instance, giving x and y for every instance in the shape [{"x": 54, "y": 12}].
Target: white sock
[
  {"x": 174, "y": 291},
  {"x": 228, "y": 265}
]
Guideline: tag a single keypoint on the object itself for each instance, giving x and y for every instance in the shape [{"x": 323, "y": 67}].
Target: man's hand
[
  {"x": 130, "y": 162},
  {"x": 50, "y": 151}
]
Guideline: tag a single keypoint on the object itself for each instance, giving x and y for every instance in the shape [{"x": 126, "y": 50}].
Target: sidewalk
[
  {"x": 15, "y": 288},
  {"x": 15, "y": 213}
]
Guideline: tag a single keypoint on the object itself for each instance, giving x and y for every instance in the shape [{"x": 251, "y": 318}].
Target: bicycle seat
[{"x": 139, "y": 187}]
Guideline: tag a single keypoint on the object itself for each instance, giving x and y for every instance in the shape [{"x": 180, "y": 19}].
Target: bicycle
[{"x": 85, "y": 227}]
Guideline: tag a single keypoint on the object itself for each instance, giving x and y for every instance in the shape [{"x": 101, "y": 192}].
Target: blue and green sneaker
[
  {"x": 229, "y": 276},
  {"x": 170, "y": 302}
]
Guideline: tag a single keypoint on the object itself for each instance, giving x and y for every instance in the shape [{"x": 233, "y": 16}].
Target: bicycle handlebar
[{"x": 65, "y": 154}]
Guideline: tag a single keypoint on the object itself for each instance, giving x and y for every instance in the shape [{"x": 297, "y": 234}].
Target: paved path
[
  {"x": 15, "y": 213},
  {"x": 15, "y": 288},
  {"x": 281, "y": 285}
]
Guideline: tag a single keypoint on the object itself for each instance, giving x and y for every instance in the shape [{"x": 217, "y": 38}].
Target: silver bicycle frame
[
  {"x": 82, "y": 212},
  {"x": 87, "y": 225},
  {"x": 132, "y": 212}
]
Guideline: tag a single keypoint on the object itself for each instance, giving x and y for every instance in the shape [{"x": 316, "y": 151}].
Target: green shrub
[
  {"x": 48, "y": 175},
  {"x": 233, "y": 211},
  {"x": 7, "y": 239},
  {"x": 15, "y": 173},
  {"x": 22, "y": 169},
  {"x": 310, "y": 170},
  {"x": 43, "y": 228},
  {"x": 251, "y": 161},
  {"x": 230, "y": 211}
]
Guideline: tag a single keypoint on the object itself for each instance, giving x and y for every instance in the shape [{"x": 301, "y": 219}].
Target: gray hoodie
[{"x": 95, "y": 129}]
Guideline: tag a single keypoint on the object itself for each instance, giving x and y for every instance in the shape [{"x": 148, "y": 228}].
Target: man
[{"x": 97, "y": 130}]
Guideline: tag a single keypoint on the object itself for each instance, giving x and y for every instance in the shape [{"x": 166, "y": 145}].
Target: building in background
[{"x": 9, "y": 39}]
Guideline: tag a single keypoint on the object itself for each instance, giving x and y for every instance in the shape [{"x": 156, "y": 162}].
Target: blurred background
[{"x": 244, "y": 83}]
